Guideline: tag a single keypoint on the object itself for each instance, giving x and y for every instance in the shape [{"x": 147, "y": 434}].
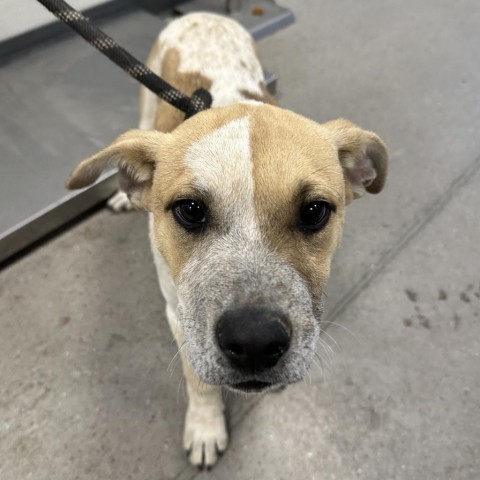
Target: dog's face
[{"x": 248, "y": 205}]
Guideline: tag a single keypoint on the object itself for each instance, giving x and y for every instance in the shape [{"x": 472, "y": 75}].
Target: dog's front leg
[{"x": 205, "y": 433}]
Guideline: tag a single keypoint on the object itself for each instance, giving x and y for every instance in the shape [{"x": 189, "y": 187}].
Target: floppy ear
[
  {"x": 363, "y": 157},
  {"x": 133, "y": 153}
]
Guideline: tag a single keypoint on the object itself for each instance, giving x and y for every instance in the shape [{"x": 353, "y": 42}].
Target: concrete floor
[{"x": 84, "y": 387}]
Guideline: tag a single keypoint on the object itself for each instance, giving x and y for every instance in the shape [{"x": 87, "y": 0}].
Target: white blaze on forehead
[{"x": 222, "y": 164}]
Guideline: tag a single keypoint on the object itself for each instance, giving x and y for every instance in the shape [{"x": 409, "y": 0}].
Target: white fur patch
[
  {"x": 218, "y": 48},
  {"x": 222, "y": 164}
]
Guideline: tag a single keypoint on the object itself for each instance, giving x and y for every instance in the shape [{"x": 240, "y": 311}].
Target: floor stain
[
  {"x": 442, "y": 294},
  {"x": 89, "y": 234},
  {"x": 464, "y": 297},
  {"x": 407, "y": 322},
  {"x": 424, "y": 321},
  {"x": 114, "y": 339},
  {"x": 64, "y": 321},
  {"x": 411, "y": 294},
  {"x": 374, "y": 420}
]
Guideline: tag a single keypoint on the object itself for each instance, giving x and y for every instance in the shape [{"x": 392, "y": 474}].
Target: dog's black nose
[{"x": 253, "y": 338}]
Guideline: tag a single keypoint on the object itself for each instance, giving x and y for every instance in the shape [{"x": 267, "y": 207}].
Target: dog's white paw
[
  {"x": 205, "y": 436},
  {"x": 120, "y": 202}
]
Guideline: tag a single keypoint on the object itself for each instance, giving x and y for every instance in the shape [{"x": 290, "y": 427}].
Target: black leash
[{"x": 201, "y": 98}]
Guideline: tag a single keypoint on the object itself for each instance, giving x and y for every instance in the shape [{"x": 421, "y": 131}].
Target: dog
[{"x": 246, "y": 203}]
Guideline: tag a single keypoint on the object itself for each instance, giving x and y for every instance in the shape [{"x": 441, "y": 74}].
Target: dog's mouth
[{"x": 252, "y": 386}]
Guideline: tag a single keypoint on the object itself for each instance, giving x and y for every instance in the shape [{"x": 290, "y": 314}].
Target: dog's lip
[{"x": 251, "y": 386}]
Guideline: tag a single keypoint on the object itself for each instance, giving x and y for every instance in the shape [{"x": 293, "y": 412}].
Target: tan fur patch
[
  {"x": 265, "y": 97},
  {"x": 301, "y": 167},
  {"x": 168, "y": 117}
]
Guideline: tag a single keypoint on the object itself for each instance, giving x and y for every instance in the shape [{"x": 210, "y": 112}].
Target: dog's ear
[
  {"x": 363, "y": 157},
  {"x": 134, "y": 154}
]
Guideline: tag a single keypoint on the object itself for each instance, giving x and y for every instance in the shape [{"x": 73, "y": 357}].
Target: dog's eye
[
  {"x": 315, "y": 215},
  {"x": 190, "y": 214}
]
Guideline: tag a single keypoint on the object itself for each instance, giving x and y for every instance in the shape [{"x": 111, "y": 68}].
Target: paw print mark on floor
[
  {"x": 468, "y": 295},
  {"x": 464, "y": 297},
  {"x": 424, "y": 321},
  {"x": 407, "y": 322}
]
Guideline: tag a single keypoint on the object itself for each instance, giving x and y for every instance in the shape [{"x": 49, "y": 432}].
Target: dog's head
[{"x": 248, "y": 204}]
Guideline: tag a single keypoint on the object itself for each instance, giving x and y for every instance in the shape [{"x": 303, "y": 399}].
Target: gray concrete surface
[{"x": 84, "y": 387}]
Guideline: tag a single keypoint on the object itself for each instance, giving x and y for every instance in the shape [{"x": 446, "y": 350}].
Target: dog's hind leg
[{"x": 119, "y": 202}]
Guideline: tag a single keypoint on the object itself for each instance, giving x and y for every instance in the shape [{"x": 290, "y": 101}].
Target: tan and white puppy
[{"x": 246, "y": 205}]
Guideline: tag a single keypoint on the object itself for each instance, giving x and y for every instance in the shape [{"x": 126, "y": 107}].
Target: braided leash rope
[{"x": 201, "y": 98}]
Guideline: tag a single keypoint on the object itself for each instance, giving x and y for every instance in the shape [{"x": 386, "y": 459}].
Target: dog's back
[{"x": 202, "y": 50}]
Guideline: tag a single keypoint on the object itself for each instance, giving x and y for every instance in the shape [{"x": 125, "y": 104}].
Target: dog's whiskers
[
  {"x": 199, "y": 384},
  {"x": 328, "y": 353},
  {"x": 339, "y": 325},
  {"x": 326, "y": 361},
  {"x": 180, "y": 384},
  {"x": 326, "y": 348},
  {"x": 323, "y": 362},
  {"x": 170, "y": 370},
  {"x": 309, "y": 377},
  {"x": 324, "y": 332},
  {"x": 318, "y": 364}
]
